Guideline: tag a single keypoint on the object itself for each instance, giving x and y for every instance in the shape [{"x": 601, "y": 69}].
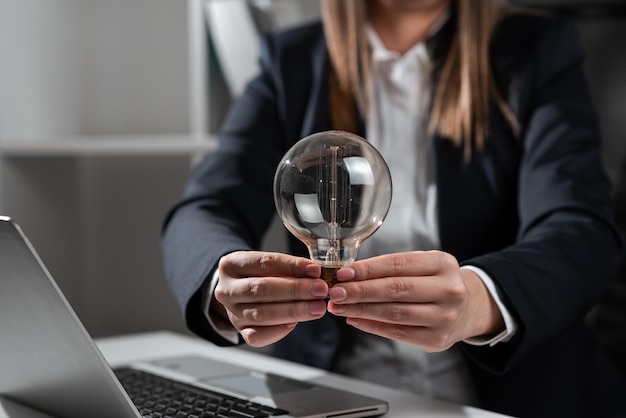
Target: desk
[{"x": 151, "y": 346}]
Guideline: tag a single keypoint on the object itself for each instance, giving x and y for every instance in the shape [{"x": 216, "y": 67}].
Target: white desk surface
[{"x": 149, "y": 346}]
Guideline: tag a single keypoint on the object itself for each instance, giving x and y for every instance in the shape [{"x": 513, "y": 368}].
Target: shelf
[{"x": 105, "y": 145}]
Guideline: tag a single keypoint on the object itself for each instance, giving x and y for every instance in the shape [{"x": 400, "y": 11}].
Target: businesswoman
[{"x": 499, "y": 237}]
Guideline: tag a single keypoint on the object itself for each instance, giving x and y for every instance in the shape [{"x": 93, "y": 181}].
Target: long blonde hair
[{"x": 460, "y": 104}]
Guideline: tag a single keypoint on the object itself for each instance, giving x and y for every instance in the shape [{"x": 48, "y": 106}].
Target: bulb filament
[{"x": 334, "y": 253}]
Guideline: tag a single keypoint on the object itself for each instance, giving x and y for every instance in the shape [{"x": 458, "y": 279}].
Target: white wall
[
  {"x": 136, "y": 67},
  {"x": 42, "y": 67}
]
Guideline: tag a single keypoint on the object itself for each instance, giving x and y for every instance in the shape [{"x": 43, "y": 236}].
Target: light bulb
[{"x": 332, "y": 191}]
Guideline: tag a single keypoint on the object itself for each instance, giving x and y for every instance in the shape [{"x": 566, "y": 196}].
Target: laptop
[{"x": 49, "y": 362}]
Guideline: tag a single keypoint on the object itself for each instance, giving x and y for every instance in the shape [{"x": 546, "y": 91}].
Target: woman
[{"x": 484, "y": 118}]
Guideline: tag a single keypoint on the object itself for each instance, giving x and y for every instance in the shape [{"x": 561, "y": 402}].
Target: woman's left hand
[{"x": 422, "y": 298}]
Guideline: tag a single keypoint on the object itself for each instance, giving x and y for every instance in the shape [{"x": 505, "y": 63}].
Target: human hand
[
  {"x": 264, "y": 295},
  {"x": 423, "y": 298}
]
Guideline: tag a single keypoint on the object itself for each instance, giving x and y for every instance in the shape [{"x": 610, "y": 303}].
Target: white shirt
[{"x": 397, "y": 127}]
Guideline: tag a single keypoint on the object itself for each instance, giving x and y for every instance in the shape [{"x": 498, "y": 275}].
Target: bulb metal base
[{"x": 329, "y": 275}]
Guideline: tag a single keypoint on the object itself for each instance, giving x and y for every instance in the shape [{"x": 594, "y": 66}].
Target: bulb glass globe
[{"x": 332, "y": 191}]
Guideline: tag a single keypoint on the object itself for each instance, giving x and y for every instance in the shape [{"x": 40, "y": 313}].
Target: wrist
[
  {"x": 484, "y": 317},
  {"x": 219, "y": 315}
]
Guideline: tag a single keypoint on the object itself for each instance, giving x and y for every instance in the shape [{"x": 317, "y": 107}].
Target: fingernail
[
  {"x": 338, "y": 309},
  {"x": 337, "y": 293},
  {"x": 319, "y": 289},
  {"x": 317, "y": 307},
  {"x": 346, "y": 273},
  {"x": 313, "y": 270}
]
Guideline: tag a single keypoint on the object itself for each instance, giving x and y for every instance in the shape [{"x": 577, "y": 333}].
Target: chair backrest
[
  {"x": 235, "y": 26},
  {"x": 234, "y": 36}
]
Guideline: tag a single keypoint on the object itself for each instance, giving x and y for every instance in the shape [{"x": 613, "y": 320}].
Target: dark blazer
[{"x": 533, "y": 211}]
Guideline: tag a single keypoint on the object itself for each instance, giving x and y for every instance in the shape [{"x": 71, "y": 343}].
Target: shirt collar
[{"x": 380, "y": 53}]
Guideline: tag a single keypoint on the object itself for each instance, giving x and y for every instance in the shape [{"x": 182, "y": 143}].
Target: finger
[
  {"x": 426, "y": 314},
  {"x": 259, "y": 263},
  {"x": 429, "y": 339},
  {"x": 271, "y": 314},
  {"x": 262, "y": 336},
  {"x": 270, "y": 289},
  {"x": 415, "y": 263},
  {"x": 427, "y": 289}
]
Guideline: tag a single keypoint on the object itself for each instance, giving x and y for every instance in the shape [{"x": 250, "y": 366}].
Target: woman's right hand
[{"x": 264, "y": 295}]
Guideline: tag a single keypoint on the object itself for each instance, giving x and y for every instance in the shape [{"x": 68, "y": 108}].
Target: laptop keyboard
[{"x": 160, "y": 397}]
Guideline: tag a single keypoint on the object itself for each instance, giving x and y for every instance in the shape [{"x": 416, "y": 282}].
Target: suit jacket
[{"x": 531, "y": 210}]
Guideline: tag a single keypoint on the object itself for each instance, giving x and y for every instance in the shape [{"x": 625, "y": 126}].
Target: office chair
[{"x": 235, "y": 26}]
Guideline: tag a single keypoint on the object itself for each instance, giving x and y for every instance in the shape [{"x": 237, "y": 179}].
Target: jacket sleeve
[
  {"x": 567, "y": 247},
  {"x": 227, "y": 204}
]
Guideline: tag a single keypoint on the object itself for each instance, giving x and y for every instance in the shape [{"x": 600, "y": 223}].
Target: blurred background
[{"x": 106, "y": 104}]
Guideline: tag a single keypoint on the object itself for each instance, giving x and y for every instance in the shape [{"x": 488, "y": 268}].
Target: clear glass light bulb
[{"x": 332, "y": 190}]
